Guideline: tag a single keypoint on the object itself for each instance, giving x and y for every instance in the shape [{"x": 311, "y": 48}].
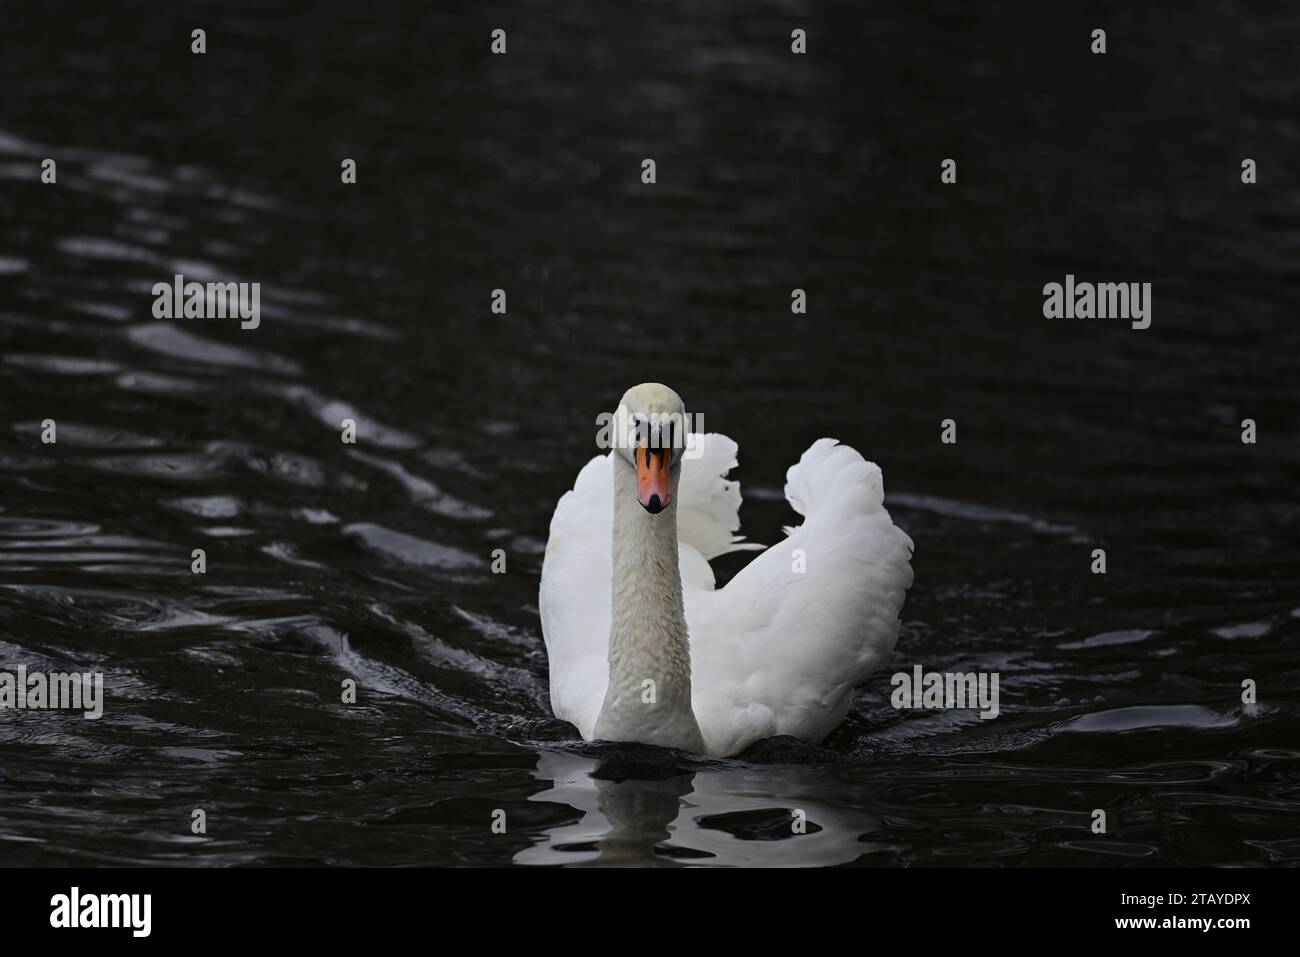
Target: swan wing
[
  {"x": 574, "y": 596},
  {"x": 781, "y": 647},
  {"x": 708, "y": 503}
]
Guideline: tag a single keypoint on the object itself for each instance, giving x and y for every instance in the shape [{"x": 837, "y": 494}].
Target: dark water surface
[{"x": 329, "y": 561}]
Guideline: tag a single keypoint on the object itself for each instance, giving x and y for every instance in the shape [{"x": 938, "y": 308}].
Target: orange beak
[{"x": 652, "y": 484}]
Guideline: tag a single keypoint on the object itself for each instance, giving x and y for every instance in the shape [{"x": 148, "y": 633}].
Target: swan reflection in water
[{"x": 646, "y": 814}]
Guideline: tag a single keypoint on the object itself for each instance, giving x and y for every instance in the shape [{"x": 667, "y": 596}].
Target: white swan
[{"x": 641, "y": 645}]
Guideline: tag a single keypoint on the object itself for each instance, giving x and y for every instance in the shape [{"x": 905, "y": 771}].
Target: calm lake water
[{"x": 371, "y": 561}]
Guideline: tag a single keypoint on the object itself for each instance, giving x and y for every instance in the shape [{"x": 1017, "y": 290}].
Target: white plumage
[{"x": 780, "y": 648}]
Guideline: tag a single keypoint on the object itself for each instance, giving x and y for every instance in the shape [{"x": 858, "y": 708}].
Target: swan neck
[
  {"x": 649, "y": 693},
  {"x": 648, "y": 619}
]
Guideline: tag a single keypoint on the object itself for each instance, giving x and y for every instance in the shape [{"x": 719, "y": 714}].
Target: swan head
[{"x": 652, "y": 434}]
